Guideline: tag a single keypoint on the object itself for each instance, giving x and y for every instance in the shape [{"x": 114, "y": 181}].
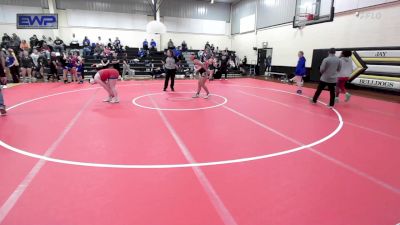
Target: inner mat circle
[{"x": 185, "y": 102}]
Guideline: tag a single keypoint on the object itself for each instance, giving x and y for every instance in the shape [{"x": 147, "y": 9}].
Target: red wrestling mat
[{"x": 254, "y": 153}]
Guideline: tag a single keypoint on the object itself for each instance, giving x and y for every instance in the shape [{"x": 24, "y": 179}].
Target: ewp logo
[{"x": 37, "y": 21}]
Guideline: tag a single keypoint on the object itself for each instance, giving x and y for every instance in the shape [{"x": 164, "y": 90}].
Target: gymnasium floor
[{"x": 252, "y": 154}]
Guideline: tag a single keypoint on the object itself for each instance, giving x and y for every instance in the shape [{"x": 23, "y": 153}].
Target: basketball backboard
[{"x": 310, "y": 12}]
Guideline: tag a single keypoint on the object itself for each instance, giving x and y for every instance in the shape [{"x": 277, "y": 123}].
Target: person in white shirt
[{"x": 346, "y": 69}]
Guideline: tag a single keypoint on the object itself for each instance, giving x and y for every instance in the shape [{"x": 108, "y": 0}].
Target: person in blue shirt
[
  {"x": 86, "y": 47},
  {"x": 145, "y": 44},
  {"x": 153, "y": 44},
  {"x": 300, "y": 72},
  {"x": 12, "y": 65},
  {"x": 177, "y": 52},
  {"x": 142, "y": 53}
]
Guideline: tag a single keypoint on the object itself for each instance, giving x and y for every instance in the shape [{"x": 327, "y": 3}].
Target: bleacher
[{"x": 143, "y": 67}]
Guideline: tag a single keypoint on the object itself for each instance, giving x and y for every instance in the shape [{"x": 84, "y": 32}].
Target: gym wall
[
  {"x": 130, "y": 28},
  {"x": 373, "y": 27}
]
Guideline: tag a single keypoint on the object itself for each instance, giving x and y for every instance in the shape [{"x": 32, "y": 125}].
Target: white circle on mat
[
  {"x": 135, "y": 102},
  {"x": 167, "y": 166}
]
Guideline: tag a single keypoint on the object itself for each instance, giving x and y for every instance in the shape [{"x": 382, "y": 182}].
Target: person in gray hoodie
[{"x": 329, "y": 69}]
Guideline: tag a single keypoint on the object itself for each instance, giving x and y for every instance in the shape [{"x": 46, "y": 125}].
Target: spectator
[
  {"x": 171, "y": 44},
  {"x": 43, "y": 63},
  {"x": 12, "y": 65},
  {"x": 142, "y": 53},
  {"x": 92, "y": 48},
  {"x": 3, "y": 82},
  {"x": 74, "y": 44},
  {"x": 104, "y": 62},
  {"x": 115, "y": 61},
  {"x": 36, "y": 67},
  {"x": 243, "y": 65},
  {"x": 212, "y": 48},
  {"x": 153, "y": 44},
  {"x": 125, "y": 66},
  {"x": 45, "y": 50},
  {"x": 86, "y": 47},
  {"x": 99, "y": 41},
  {"x": 14, "y": 43},
  {"x": 98, "y": 50},
  {"x": 145, "y": 44},
  {"x": 26, "y": 67},
  {"x": 109, "y": 43},
  {"x": 184, "y": 46},
  {"x": 346, "y": 69},
  {"x": 34, "y": 41},
  {"x": 107, "y": 51},
  {"x": 157, "y": 72},
  {"x": 42, "y": 41},
  {"x": 244, "y": 61},
  {"x": 268, "y": 63},
  {"x": 117, "y": 45},
  {"x": 177, "y": 53},
  {"x": 5, "y": 41},
  {"x": 62, "y": 63},
  {"x": 224, "y": 64},
  {"x": 207, "y": 46},
  {"x": 58, "y": 45},
  {"x": 50, "y": 43},
  {"x": 236, "y": 59},
  {"x": 80, "y": 69},
  {"x": 24, "y": 46},
  {"x": 53, "y": 67}
]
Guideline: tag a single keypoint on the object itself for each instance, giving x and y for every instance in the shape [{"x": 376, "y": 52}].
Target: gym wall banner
[
  {"x": 37, "y": 21},
  {"x": 373, "y": 67}
]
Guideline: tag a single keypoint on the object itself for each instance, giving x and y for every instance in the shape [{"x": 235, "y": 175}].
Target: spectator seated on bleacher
[
  {"x": 207, "y": 45},
  {"x": 142, "y": 53},
  {"x": 98, "y": 51},
  {"x": 178, "y": 53},
  {"x": 153, "y": 44},
  {"x": 171, "y": 44},
  {"x": 86, "y": 47},
  {"x": 107, "y": 52},
  {"x": 50, "y": 43},
  {"x": 58, "y": 45},
  {"x": 74, "y": 42},
  {"x": 104, "y": 62},
  {"x": 45, "y": 50},
  {"x": 117, "y": 45},
  {"x": 110, "y": 43},
  {"x": 184, "y": 46},
  {"x": 145, "y": 44}
]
